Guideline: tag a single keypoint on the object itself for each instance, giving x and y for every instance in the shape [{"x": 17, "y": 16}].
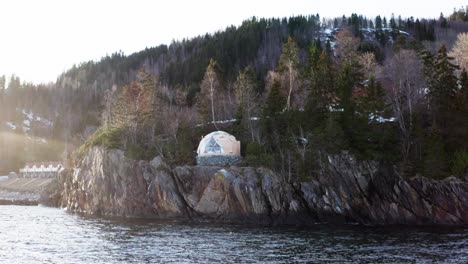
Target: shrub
[
  {"x": 253, "y": 149},
  {"x": 135, "y": 152},
  {"x": 256, "y": 156},
  {"x": 459, "y": 163},
  {"x": 110, "y": 138}
]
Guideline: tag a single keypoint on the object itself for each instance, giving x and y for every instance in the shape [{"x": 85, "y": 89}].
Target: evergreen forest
[{"x": 292, "y": 90}]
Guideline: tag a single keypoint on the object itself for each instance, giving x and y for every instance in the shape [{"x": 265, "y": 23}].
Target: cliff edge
[{"x": 105, "y": 182}]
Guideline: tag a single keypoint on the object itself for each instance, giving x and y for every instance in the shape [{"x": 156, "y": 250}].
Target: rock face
[{"x": 107, "y": 183}]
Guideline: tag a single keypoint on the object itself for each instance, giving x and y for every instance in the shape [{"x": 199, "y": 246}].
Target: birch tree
[
  {"x": 406, "y": 93},
  {"x": 209, "y": 87},
  {"x": 289, "y": 68},
  {"x": 247, "y": 97},
  {"x": 460, "y": 51}
]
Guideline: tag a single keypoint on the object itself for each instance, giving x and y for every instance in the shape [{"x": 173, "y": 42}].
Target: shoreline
[{"x": 18, "y": 198}]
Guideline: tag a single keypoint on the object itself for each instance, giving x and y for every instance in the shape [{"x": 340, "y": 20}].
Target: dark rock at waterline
[
  {"x": 19, "y": 202},
  {"x": 51, "y": 195},
  {"x": 104, "y": 182},
  {"x": 18, "y": 198}
]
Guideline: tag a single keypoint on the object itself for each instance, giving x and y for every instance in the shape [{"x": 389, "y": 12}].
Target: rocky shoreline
[
  {"x": 345, "y": 190},
  {"x": 18, "y": 198}
]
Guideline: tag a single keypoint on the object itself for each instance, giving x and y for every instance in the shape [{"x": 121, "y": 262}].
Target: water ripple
[{"x": 48, "y": 235}]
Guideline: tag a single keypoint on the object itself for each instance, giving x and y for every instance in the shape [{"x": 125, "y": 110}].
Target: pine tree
[
  {"x": 328, "y": 48},
  {"x": 245, "y": 90},
  {"x": 271, "y": 121},
  {"x": 348, "y": 87},
  {"x": 457, "y": 130},
  {"x": 274, "y": 104},
  {"x": 322, "y": 91},
  {"x": 373, "y": 99},
  {"x": 346, "y": 84},
  {"x": 449, "y": 131},
  {"x": 14, "y": 90},
  {"x": 378, "y": 22},
  {"x": 314, "y": 54},
  {"x": 393, "y": 26},
  {"x": 443, "y": 87}
]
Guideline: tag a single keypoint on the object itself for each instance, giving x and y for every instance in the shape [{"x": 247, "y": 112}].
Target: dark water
[{"x": 47, "y": 235}]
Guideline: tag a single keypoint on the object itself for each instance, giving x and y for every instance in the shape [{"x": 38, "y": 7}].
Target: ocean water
[{"x": 35, "y": 234}]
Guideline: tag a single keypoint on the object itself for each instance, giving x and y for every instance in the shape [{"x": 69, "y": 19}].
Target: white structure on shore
[
  {"x": 41, "y": 169},
  {"x": 218, "y": 148}
]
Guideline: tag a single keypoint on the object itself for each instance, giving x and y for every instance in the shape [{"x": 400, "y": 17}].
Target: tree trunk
[
  {"x": 212, "y": 102},
  {"x": 288, "y": 104}
]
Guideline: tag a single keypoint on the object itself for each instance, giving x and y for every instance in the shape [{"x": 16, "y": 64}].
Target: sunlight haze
[{"x": 41, "y": 39}]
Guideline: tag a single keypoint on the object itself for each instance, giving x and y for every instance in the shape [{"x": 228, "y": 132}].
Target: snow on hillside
[
  {"x": 329, "y": 34},
  {"x": 29, "y": 120}
]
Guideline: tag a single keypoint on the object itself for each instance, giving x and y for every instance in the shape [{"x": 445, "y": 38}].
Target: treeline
[
  {"x": 247, "y": 56},
  {"x": 181, "y": 65},
  {"x": 25, "y": 126},
  {"x": 333, "y": 101},
  {"x": 461, "y": 14}
]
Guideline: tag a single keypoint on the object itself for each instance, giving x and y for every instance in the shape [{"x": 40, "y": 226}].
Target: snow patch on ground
[
  {"x": 227, "y": 121},
  {"x": 381, "y": 119},
  {"x": 41, "y": 140},
  {"x": 11, "y": 125},
  {"x": 30, "y": 115}
]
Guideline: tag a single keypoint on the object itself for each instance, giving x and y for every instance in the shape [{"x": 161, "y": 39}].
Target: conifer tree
[
  {"x": 393, "y": 26},
  {"x": 464, "y": 85},
  {"x": 457, "y": 126},
  {"x": 346, "y": 85},
  {"x": 274, "y": 104},
  {"x": 271, "y": 118},
  {"x": 321, "y": 85},
  {"x": 349, "y": 80},
  {"x": 245, "y": 89},
  {"x": 328, "y": 48},
  {"x": 372, "y": 99},
  {"x": 443, "y": 87}
]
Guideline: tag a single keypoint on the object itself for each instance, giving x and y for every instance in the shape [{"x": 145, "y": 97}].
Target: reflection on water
[{"x": 48, "y": 235}]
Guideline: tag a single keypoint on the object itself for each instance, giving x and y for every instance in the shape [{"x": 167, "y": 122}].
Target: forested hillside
[{"x": 389, "y": 89}]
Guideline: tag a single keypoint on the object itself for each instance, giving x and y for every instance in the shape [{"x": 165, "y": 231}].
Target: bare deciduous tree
[
  {"x": 288, "y": 66},
  {"x": 368, "y": 62},
  {"x": 347, "y": 45},
  {"x": 247, "y": 97},
  {"x": 209, "y": 88},
  {"x": 460, "y": 51},
  {"x": 406, "y": 93}
]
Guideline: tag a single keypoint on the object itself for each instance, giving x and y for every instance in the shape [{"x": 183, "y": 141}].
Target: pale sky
[{"x": 43, "y": 38}]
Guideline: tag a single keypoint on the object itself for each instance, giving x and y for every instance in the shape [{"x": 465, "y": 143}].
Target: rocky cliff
[{"x": 106, "y": 183}]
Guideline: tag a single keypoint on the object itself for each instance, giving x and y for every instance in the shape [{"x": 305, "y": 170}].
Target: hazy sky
[{"x": 41, "y": 39}]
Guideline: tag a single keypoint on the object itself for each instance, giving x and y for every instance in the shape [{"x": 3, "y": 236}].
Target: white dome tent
[{"x": 218, "y": 148}]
